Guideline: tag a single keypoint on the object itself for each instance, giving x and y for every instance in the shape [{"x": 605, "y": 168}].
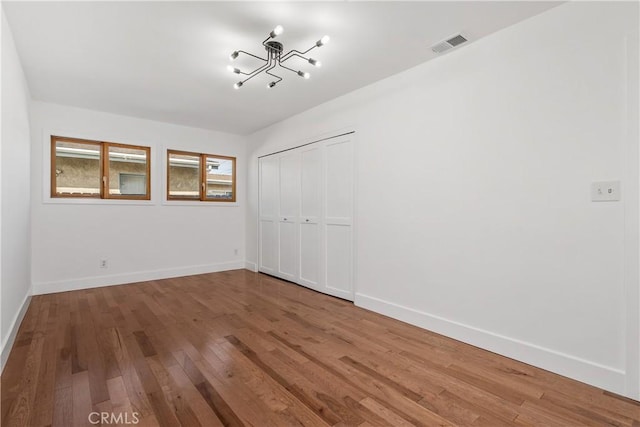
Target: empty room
[{"x": 320, "y": 213}]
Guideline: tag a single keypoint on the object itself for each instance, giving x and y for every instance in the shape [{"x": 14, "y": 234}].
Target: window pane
[
  {"x": 77, "y": 169},
  {"x": 219, "y": 177},
  {"x": 184, "y": 176},
  {"x": 131, "y": 183},
  {"x": 127, "y": 171}
]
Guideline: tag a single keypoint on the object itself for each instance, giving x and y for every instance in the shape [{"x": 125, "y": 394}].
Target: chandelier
[{"x": 275, "y": 58}]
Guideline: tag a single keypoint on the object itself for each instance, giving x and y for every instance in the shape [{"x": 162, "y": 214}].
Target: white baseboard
[
  {"x": 586, "y": 371},
  {"x": 252, "y": 266},
  {"x": 40, "y": 288},
  {"x": 347, "y": 295},
  {"x": 7, "y": 345}
]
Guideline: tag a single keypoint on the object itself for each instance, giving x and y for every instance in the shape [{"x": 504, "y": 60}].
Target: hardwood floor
[{"x": 239, "y": 348}]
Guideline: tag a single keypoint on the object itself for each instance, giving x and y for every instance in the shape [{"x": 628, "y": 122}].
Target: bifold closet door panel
[
  {"x": 338, "y": 230},
  {"x": 268, "y": 214},
  {"x": 310, "y": 218},
  {"x": 289, "y": 210}
]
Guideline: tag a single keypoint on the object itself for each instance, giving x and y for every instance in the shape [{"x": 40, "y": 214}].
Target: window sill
[
  {"x": 120, "y": 202},
  {"x": 199, "y": 203},
  {"x": 95, "y": 201}
]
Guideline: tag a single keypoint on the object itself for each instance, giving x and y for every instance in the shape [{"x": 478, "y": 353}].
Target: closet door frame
[{"x": 323, "y": 220}]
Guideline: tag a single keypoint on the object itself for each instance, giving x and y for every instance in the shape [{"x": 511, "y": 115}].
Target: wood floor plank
[
  {"x": 174, "y": 398},
  {"x": 238, "y": 348},
  {"x": 384, "y": 412},
  {"x": 296, "y": 392},
  {"x": 217, "y": 403},
  {"x": 63, "y": 347},
  {"x": 81, "y": 393},
  {"x": 595, "y": 412},
  {"x": 95, "y": 357},
  {"x": 150, "y": 384},
  {"x": 118, "y": 393},
  {"x": 63, "y": 407},
  {"x": 269, "y": 389},
  {"x": 405, "y": 391},
  {"x": 133, "y": 386},
  {"x": 217, "y": 396},
  {"x": 20, "y": 402},
  {"x": 468, "y": 392},
  {"x": 200, "y": 407},
  {"x": 45, "y": 387},
  {"x": 406, "y": 408}
]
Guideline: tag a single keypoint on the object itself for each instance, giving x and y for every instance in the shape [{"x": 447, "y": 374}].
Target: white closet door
[
  {"x": 310, "y": 218},
  {"x": 338, "y": 173},
  {"x": 268, "y": 256},
  {"x": 289, "y": 207}
]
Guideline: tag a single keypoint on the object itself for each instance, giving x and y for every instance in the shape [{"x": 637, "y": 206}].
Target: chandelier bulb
[
  {"x": 270, "y": 85},
  {"x": 315, "y": 62},
  {"x": 304, "y": 74},
  {"x": 237, "y": 85},
  {"x": 233, "y": 69},
  {"x": 276, "y": 31},
  {"x": 234, "y": 55},
  {"x": 324, "y": 40}
]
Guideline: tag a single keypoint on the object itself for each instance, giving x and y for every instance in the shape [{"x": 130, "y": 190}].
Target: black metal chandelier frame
[{"x": 275, "y": 58}]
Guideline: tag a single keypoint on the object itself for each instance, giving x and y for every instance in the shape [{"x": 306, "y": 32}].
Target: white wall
[
  {"x": 632, "y": 210},
  {"x": 474, "y": 216},
  {"x": 15, "y": 280},
  {"x": 140, "y": 240}
]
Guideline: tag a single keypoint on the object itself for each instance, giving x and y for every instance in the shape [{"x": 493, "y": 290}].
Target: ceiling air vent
[{"x": 448, "y": 44}]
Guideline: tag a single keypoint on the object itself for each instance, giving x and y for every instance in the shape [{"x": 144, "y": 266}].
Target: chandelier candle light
[{"x": 275, "y": 58}]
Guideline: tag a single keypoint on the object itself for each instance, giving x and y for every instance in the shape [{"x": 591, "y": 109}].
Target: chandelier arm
[
  {"x": 264, "y": 43},
  {"x": 291, "y": 55},
  {"x": 273, "y": 62},
  {"x": 293, "y": 52},
  {"x": 251, "y": 54},
  {"x": 310, "y": 49},
  {"x": 278, "y": 77},
  {"x": 287, "y": 68},
  {"x": 258, "y": 71}
]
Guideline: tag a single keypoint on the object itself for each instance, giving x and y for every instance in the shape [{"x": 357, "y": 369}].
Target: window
[
  {"x": 103, "y": 170},
  {"x": 196, "y": 176}
]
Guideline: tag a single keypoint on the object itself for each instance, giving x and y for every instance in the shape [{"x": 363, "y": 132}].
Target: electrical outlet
[
  {"x": 605, "y": 191},
  {"x": 103, "y": 263}
]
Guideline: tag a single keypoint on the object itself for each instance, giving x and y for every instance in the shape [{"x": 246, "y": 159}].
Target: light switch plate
[{"x": 605, "y": 191}]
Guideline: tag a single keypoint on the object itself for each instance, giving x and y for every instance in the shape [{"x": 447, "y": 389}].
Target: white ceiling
[{"x": 167, "y": 61}]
